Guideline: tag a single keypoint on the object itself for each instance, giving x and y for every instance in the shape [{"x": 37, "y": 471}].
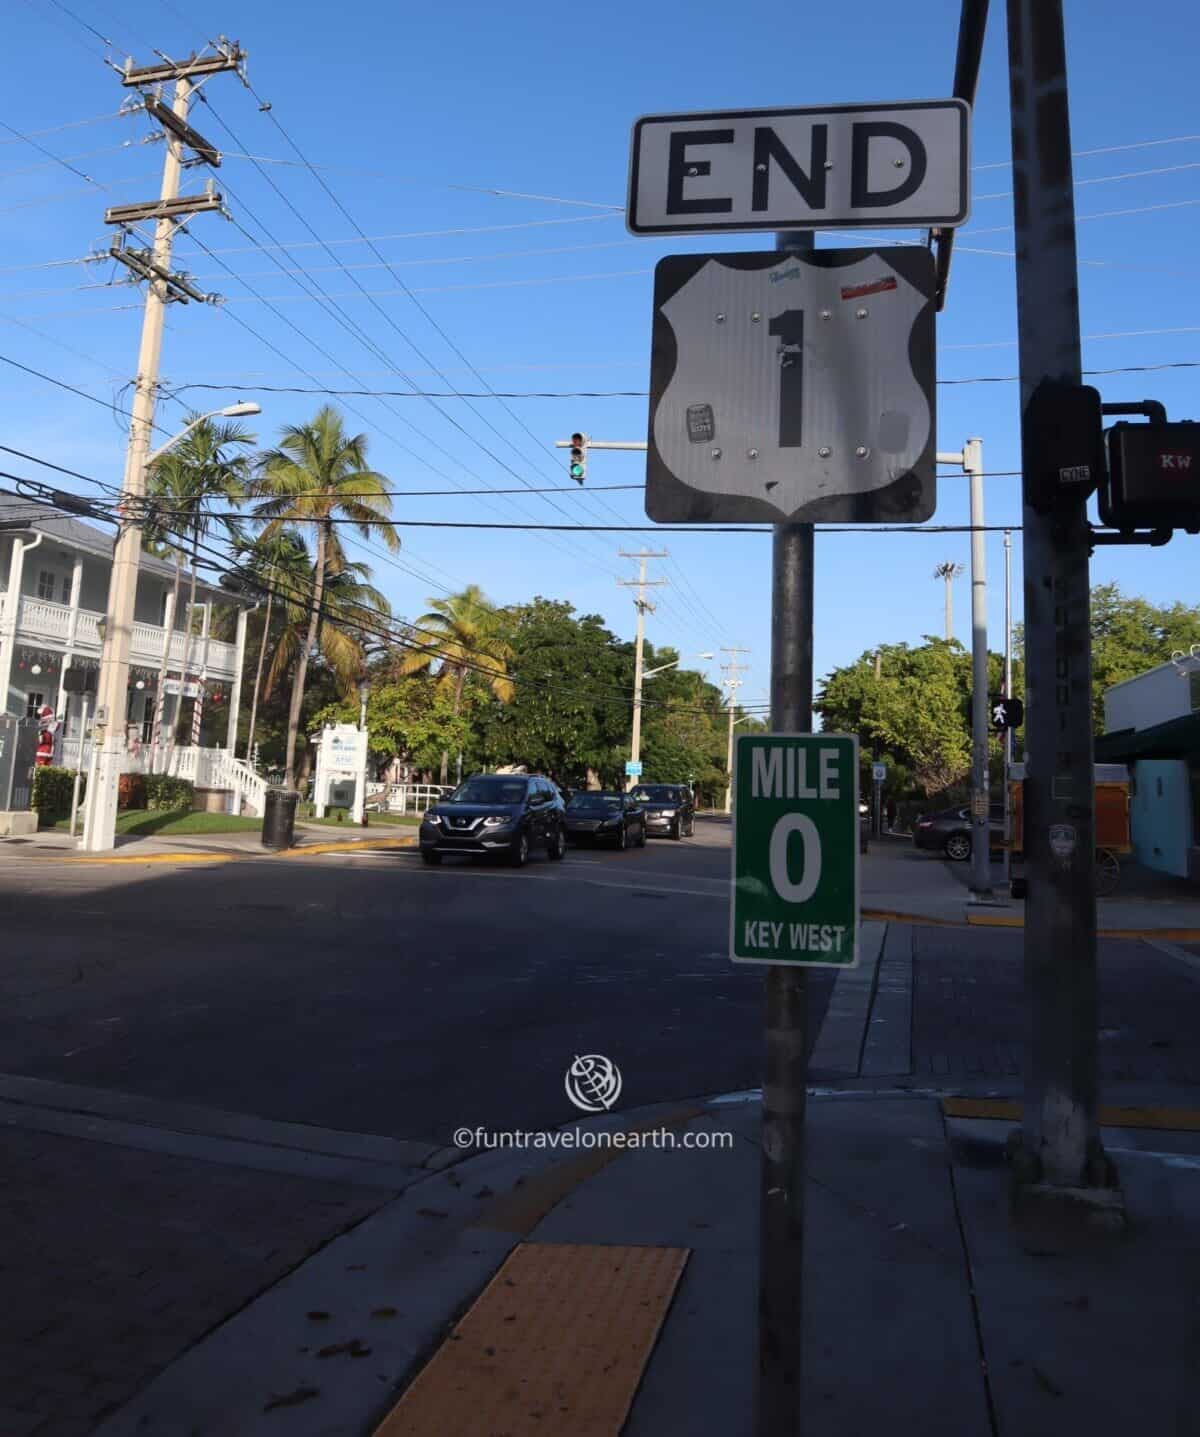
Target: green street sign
[{"x": 795, "y": 850}]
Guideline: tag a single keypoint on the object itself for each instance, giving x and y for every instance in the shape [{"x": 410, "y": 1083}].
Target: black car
[
  {"x": 669, "y": 808},
  {"x": 507, "y": 815},
  {"x": 606, "y": 817},
  {"x": 949, "y": 831}
]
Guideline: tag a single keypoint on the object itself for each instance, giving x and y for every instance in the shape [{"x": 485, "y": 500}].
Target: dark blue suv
[{"x": 505, "y": 815}]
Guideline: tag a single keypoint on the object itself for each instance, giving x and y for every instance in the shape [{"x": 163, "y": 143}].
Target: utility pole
[
  {"x": 162, "y": 286},
  {"x": 641, "y": 603},
  {"x": 971, "y": 462},
  {"x": 1008, "y": 733},
  {"x": 732, "y": 683},
  {"x": 948, "y": 572},
  {"x": 785, "y": 1068},
  {"x": 1059, "y": 1144}
]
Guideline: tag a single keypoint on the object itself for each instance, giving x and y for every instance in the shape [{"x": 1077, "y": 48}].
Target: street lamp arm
[{"x": 230, "y": 411}]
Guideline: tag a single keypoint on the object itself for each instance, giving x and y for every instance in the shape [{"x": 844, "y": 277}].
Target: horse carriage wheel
[{"x": 1108, "y": 872}]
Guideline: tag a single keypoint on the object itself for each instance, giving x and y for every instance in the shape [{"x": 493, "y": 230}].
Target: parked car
[
  {"x": 606, "y": 817},
  {"x": 950, "y": 831},
  {"x": 507, "y": 815},
  {"x": 668, "y": 807}
]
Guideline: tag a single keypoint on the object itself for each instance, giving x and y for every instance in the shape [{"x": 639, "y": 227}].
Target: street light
[
  {"x": 360, "y": 788},
  {"x": 231, "y": 411},
  {"x": 662, "y": 668},
  {"x": 116, "y": 635},
  {"x": 635, "y": 746}
]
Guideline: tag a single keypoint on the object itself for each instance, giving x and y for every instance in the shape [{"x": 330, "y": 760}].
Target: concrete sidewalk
[
  {"x": 928, "y": 1311},
  {"x": 902, "y": 882}
]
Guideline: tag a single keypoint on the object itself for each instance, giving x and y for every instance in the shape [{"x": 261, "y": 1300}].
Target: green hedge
[
  {"x": 52, "y": 791},
  {"x": 168, "y": 794}
]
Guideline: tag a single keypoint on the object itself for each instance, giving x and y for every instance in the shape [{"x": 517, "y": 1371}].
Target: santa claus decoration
[{"x": 47, "y": 728}]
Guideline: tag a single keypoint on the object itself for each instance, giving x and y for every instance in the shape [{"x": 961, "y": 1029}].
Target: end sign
[{"x": 795, "y": 850}]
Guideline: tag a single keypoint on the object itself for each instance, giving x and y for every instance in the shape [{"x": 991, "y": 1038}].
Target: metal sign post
[{"x": 790, "y": 388}]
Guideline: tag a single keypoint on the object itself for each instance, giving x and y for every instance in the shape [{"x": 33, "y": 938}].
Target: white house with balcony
[{"x": 54, "y": 575}]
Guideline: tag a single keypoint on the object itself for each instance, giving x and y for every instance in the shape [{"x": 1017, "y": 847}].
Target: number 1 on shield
[{"x": 789, "y": 328}]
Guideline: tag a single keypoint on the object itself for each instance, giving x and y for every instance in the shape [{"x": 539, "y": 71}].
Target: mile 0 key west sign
[{"x": 795, "y": 850}]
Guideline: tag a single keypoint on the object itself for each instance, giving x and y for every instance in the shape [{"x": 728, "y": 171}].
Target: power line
[
  {"x": 1103, "y": 150},
  {"x": 1105, "y": 179},
  {"x": 383, "y": 312}
]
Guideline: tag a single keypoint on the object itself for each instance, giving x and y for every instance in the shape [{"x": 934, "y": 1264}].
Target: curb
[
  {"x": 192, "y": 856},
  {"x": 984, "y": 920},
  {"x": 344, "y": 846}
]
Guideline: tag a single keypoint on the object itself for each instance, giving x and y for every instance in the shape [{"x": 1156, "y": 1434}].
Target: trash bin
[{"x": 279, "y": 817}]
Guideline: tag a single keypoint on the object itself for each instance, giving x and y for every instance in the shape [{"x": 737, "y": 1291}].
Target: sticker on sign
[
  {"x": 795, "y": 850},
  {"x": 903, "y": 164}
]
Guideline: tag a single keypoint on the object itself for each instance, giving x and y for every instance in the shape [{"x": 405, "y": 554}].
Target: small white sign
[
  {"x": 903, "y": 165},
  {"x": 190, "y": 690},
  {"x": 879, "y": 772}
]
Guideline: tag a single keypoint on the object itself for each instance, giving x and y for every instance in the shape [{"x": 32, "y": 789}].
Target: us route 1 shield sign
[
  {"x": 793, "y": 387},
  {"x": 795, "y": 850}
]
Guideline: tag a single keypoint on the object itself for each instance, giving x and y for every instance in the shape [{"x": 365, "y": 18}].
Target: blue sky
[{"x": 542, "y": 295}]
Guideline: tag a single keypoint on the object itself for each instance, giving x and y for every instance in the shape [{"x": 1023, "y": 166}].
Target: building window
[
  {"x": 33, "y": 702},
  {"x": 45, "y": 584},
  {"x": 66, "y": 589}
]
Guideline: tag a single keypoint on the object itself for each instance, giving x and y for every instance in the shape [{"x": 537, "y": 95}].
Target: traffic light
[
  {"x": 1006, "y": 713},
  {"x": 1154, "y": 477},
  {"x": 578, "y": 465}
]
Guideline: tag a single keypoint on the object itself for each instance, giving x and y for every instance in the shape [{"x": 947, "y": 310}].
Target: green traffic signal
[{"x": 577, "y": 471}]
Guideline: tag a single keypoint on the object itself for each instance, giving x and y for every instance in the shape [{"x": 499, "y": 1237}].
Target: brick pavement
[
  {"x": 969, "y": 1016},
  {"x": 114, "y": 1261}
]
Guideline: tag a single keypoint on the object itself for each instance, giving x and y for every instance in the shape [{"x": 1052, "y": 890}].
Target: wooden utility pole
[{"x": 162, "y": 287}]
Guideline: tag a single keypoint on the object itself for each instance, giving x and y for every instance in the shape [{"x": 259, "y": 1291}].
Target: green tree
[
  {"x": 572, "y": 697},
  {"x": 1130, "y": 635},
  {"x": 409, "y": 718},
  {"x": 462, "y": 638},
  {"x": 318, "y": 475}
]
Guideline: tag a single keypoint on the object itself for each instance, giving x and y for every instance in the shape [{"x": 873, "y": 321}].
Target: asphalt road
[{"x": 370, "y": 993}]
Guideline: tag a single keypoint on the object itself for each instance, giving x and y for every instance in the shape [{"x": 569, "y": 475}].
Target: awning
[{"x": 1177, "y": 738}]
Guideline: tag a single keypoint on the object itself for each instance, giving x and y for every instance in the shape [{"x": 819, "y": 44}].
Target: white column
[
  {"x": 12, "y": 609},
  {"x": 62, "y": 707},
  {"x": 235, "y": 693},
  {"x": 198, "y": 705}
]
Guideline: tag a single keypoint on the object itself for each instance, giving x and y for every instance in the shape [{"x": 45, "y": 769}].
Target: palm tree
[
  {"x": 319, "y": 475},
  {"x": 280, "y": 565},
  {"x": 341, "y": 642},
  {"x": 183, "y": 481},
  {"x": 463, "y": 635}
]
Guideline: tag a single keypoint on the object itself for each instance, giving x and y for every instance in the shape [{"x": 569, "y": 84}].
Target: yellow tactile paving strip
[
  {"x": 555, "y": 1345},
  {"x": 1171, "y": 1120}
]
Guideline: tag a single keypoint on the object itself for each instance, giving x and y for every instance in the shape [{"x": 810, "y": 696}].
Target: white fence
[
  {"x": 405, "y": 797},
  {"x": 213, "y": 768}
]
